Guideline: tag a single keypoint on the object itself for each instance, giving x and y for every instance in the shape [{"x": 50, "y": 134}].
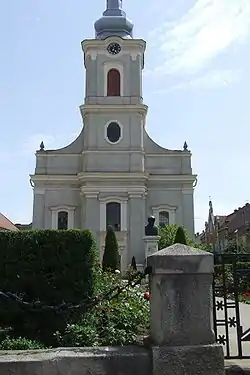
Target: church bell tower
[
  {"x": 114, "y": 119},
  {"x": 113, "y": 111}
]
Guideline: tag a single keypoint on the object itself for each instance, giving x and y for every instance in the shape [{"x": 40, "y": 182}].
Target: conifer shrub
[
  {"x": 111, "y": 258},
  {"x": 133, "y": 264},
  {"x": 180, "y": 236}
]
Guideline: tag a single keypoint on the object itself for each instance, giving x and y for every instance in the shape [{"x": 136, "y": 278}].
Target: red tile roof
[{"x": 6, "y": 224}]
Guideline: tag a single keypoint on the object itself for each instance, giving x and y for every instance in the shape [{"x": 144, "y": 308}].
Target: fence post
[{"x": 183, "y": 341}]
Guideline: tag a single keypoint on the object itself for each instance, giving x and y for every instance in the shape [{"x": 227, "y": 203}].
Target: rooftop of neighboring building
[
  {"x": 6, "y": 224},
  {"x": 24, "y": 226}
]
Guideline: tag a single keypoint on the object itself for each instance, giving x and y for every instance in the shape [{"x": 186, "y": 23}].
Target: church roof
[
  {"x": 114, "y": 22},
  {"x": 6, "y": 224}
]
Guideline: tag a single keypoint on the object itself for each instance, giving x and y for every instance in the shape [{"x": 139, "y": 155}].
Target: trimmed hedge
[{"x": 48, "y": 266}]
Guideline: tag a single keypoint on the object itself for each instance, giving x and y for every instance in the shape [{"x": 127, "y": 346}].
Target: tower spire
[{"x": 114, "y": 22}]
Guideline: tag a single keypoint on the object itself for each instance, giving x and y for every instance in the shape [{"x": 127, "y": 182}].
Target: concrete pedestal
[
  {"x": 151, "y": 245},
  {"x": 181, "y": 313}
]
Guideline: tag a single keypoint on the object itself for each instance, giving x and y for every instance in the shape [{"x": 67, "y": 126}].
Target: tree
[
  {"x": 167, "y": 238},
  {"x": 167, "y": 235},
  {"x": 180, "y": 236},
  {"x": 110, "y": 261}
]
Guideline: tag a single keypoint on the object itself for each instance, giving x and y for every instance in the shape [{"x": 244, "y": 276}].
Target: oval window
[{"x": 113, "y": 132}]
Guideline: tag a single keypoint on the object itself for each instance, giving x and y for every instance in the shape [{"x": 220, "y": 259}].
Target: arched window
[
  {"x": 113, "y": 215},
  {"x": 114, "y": 83},
  {"x": 62, "y": 220},
  {"x": 163, "y": 218}
]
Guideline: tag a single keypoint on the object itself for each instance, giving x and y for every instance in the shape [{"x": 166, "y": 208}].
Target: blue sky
[{"x": 196, "y": 84}]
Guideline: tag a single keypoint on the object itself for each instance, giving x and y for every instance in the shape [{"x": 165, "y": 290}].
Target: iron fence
[{"x": 231, "y": 295}]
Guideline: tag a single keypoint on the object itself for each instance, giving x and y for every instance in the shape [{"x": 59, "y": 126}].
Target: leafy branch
[{"x": 84, "y": 305}]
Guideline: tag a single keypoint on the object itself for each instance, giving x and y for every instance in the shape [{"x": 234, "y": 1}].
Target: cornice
[
  {"x": 180, "y": 178},
  {"x": 113, "y": 176},
  {"x": 113, "y": 108},
  {"x": 172, "y": 153},
  {"x": 62, "y": 179},
  {"x": 132, "y": 47}
]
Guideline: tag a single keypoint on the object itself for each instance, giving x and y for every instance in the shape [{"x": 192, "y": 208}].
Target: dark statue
[{"x": 151, "y": 229}]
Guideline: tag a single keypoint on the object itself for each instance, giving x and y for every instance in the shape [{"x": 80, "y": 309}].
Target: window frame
[
  {"x": 109, "y": 82},
  {"x": 54, "y": 216},
  {"x": 167, "y": 208},
  {"x": 106, "y": 132},
  {"x": 168, "y": 218},
  {"x": 118, "y": 229},
  {"x": 107, "y": 67},
  {"x": 124, "y": 212}
]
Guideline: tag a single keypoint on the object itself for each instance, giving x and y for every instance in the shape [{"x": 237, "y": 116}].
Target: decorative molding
[
  {"x": 141, "y": 195},
  {"x": 54, "y": 153},
  {"x": 117, "y": 176},
  {"x": 69, "y": 179},
  {"x": 113, "y": 65},
  {"x": 118, "y": 151},
  {"x": 180, "y": 178},
  {"x": 39, "y": 191},
  {"x": 113, "y": 176},
  {"x": 90, "y": 194},
  {"x": 113, "y": 108},
  {"x": 64, "y": 188},
  {"x": 106, "y": 128},
  {"x": 115, "y": 191},
  {"x": 113, "y": 198},
  {"x": 171, "y": 153},
  {"x": 164, "y": 207},
  {"x": 134, "y": 55},
  {"x": 126, "y": 44}
]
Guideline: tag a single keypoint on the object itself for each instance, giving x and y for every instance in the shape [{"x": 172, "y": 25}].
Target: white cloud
[
  {"x": 50, "y": 141},
  {"x": 214, "y": 79},
  {"x": 210, "y": 27}
]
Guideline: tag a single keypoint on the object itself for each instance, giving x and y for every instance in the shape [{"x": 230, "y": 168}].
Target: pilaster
[
  {"x": 38, "y": 221},
  {"x": 137, "y": 214},
  {"x": 92, "y": 214},
  {"x": 188, "y": 209}
]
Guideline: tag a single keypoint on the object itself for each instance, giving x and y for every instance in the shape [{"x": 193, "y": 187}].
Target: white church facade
[{"x": 113, "y": 173}]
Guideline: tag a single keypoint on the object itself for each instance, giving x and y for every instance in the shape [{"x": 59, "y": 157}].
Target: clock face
[{"x": 114, "y": 48}]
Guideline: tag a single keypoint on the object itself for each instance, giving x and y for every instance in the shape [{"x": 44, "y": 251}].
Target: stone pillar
[
  {"x": 151, "y": 245},
  {"x": 181, "y": 313}
]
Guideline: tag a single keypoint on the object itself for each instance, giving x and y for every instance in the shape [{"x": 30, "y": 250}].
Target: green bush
[
  {"x": 180, "y": 236},
  {"x": 123, "y": 320},
  {"x": 243, "y": 282},
  {"x": 47, "y": 266},
  {"x": 110, "y": 260},
  {"x": 20, "y": 344},
  {"x": 167, "y": 238}
]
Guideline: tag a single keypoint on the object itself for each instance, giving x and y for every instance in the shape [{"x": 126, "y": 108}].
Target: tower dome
[{"x": 114, "y": 22}]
